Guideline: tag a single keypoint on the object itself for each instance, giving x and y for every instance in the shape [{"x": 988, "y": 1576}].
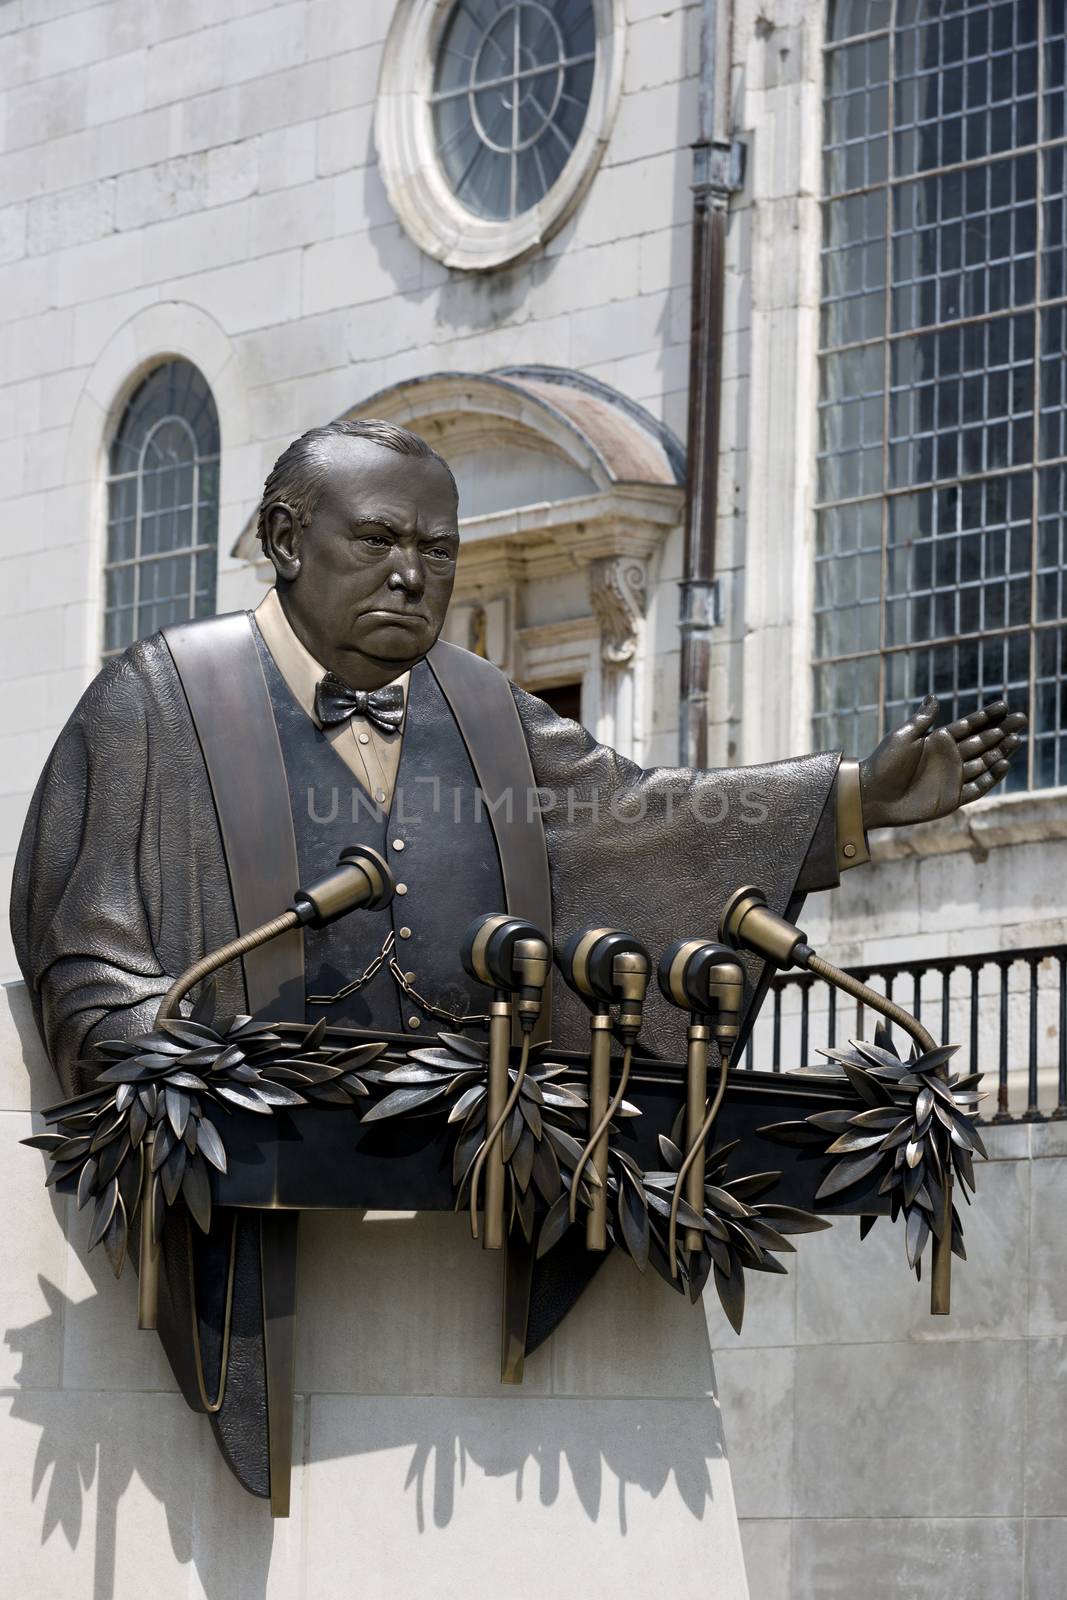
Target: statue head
[{"x": 360, "y": 522}]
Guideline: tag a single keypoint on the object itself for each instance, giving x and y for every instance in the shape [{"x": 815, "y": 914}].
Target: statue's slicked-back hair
[{"x": 296, "y": 477}]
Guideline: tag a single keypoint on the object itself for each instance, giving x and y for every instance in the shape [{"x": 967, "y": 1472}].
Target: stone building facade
[{"x": 249, "y": 189}]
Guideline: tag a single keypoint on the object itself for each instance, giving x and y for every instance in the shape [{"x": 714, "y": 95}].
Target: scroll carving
[{"x": 618, "y": 593}]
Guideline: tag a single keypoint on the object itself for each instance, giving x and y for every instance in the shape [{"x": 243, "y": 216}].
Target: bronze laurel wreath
[
  {"x": 154, "y": 1097},
  {"x": 909, "y": 1126},
  {"x": 541, "y": 1143}
]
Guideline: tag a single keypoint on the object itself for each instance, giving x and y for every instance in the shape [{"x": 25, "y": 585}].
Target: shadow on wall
[
  {"x": 544, "y": 1440},
  {"x": 396, "y": 1367},
  {"x": 93, "y": 1446}
]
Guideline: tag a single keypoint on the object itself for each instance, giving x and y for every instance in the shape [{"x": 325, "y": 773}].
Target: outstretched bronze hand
[{"x": 916, "y": 775}]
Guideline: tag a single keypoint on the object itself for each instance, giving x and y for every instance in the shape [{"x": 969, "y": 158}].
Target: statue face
[{"x": 366, "y": 584}]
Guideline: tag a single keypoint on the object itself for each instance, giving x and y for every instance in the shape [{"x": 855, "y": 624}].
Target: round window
[
  {"x": 492, "y": 117},
  {"x": 511, "y": 93}
]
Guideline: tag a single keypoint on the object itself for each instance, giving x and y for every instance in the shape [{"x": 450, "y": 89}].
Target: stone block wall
[
  {"x": 880, "y": 1452},
  {"x": 990, "y": 879}
]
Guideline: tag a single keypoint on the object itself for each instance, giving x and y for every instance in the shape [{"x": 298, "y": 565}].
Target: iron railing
[{"x": 1004, "y": 1008}]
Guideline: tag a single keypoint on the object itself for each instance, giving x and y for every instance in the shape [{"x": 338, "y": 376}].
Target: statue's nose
[{"x": 408, "y": 575}]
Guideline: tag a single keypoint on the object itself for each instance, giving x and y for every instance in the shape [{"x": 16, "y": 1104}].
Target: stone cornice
[
  {"x": 549, "y": 540},
  {"x": 1038, "y": 816}
]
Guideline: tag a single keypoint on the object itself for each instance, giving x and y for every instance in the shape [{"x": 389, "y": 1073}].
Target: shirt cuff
[{"x": 852, "y": 848}]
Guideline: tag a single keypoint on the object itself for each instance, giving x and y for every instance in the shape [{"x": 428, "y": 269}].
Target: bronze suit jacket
[{"x": 121, "y": 879}]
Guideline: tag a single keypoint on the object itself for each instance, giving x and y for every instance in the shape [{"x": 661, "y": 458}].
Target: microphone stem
[
  {"x": 806, "y": 957},
  {"x": 494, "y": 1202},
  {"x": 695, "y": 1149},
  {"x": 148, "y": 1247},
  {"x": 218, "y": 958},
  {"x": 596, "y": 1148},
  {"x": 696, "y": 1104}
]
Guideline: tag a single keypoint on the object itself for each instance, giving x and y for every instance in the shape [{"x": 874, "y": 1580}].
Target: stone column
[{"x": 618, "y": 594}]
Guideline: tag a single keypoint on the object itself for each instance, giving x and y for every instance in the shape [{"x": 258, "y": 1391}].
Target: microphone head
[
  {"x": 703, "y": 977},
  {"x": 380, "y": 880},
  {"x": 473, "y": 945},
  {"x": 505, "y": 952},
  {"x": 605, "y": 965},
  {"x": 675, "y": 971},
  {"x": 748, "y": 923},
  {"x": 362, "y": 880}
]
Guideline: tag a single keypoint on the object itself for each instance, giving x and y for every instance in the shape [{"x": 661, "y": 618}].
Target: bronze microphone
[
  {"x": 706, "y": 980},
  {"x": 748, "y": 923},
  {"x": 512, "y": 958},
  {"x": 605, "y": 968},
  {"x": 361, "y": 880}
]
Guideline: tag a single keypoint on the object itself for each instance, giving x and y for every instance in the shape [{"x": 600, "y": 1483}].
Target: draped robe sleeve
[
  {"x": 120, "y": 881},
  {"x": 658, "y": 851}
]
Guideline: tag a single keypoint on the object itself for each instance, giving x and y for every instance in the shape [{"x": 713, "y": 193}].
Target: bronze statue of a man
[{"x": 215, "y": 765}]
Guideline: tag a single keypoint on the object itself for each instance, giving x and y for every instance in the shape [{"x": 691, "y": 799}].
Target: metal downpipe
[{"x": 716, "y": 175}]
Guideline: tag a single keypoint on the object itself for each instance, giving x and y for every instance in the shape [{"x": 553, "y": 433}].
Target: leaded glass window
[
  {"x": 942, "y": 470},
  {"x": 512, "y": 83},
  {"x": 163, "y": 507}
]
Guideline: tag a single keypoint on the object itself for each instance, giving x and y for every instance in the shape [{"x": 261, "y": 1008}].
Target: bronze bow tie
[{"x": 336, "y": 702}]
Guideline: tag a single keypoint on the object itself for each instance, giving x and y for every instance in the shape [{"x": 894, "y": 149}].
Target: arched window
[
  {"x": 163, "y": 507},
  {"x": 942, "y": 474}
]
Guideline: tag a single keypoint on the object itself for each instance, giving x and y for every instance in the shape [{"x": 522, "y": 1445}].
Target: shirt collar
[{"x": 293, "y": 659}]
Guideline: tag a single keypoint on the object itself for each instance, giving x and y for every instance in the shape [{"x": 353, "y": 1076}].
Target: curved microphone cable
[
  {"x": 497, "y": 1130},
  {"x": 696, "y": 1149},
  {"x": 601, "y": 1128}
]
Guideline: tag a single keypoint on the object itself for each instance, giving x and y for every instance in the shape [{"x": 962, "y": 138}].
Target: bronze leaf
[
  {"x": 846, "y": 1172},
  {"x": 106, "y": 1202},
  {"x": 210, "y": 1145},
  {"x": 115, "y": 1237},
  {"x": 86, "y": 1181},
  {"x": 196, "y": 1191},
  {"x": 555, "y": 1225}
]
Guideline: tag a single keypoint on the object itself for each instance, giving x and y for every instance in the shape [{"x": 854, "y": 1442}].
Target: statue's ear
[{"x": 283, "y": 539}]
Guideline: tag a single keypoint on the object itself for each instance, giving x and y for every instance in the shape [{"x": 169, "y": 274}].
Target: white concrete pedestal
[{"x": 417, "y": 1476}]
